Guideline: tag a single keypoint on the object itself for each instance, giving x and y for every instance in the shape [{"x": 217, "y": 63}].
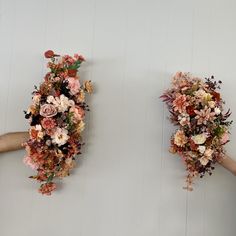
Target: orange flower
[
  {"x": 180, "y": 103},
  {"x": 180, "y": 139}
]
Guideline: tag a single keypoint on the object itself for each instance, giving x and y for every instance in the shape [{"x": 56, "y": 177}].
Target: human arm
[
  {"x": 12, "y": 141},
  {"x": 229, "y": 164}
]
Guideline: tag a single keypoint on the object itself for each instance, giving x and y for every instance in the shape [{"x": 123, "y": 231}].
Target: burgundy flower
[
  {"x": 49, "y": 54},
  {"x": 190, "y": 110},
  {"x": 72, "y": 73}
]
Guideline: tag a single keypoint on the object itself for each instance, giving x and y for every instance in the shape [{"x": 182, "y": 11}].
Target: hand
[
  {"x": 229, "y": 164},
  {"x": 12, "y": 141}
]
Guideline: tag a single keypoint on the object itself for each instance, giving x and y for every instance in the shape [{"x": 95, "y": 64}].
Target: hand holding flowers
[
  {"x": 196, "y": 107},
  {"x": 56, "y": 118}
]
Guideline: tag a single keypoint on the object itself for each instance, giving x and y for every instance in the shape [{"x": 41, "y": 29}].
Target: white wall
[{"x": 126, "y": 184}]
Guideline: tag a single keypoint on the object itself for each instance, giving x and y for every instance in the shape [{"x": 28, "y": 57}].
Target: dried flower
[
  {"x": 88, "y": 87},
  {"x": 196, "y": 107},
  {"x": 180, "y": 139},
  {"x": 56, "y": 117}
]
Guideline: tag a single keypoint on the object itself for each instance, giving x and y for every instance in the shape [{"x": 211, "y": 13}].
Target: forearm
[
  {"x": 12, "y": 141},
  {"x": 229, "y": 164}
]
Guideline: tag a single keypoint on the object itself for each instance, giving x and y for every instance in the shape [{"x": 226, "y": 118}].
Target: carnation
[{"x": 48, "y": 123}]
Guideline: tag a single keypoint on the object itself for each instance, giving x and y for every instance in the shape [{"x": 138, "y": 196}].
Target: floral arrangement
[
  {"x": 196, "y": 107},
  {"x": 56, "y": 118}
]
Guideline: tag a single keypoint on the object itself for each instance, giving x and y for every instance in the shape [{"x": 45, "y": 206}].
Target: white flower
[
  {"x": 38, "y": 127},
  {"x": 200, "y": 93},
  {"x": 211, "y": 104},
  {"x": 207, "y": 157},
  {"x": 203, "y": 95},
  {"x": 184, "y": 119},
  {"x": 60, "y": 136},
  {"x": 201, "y": 149},
  {"x": 62, "y": 103},
  {"x": 199, "y": 138},
  {"x": 50, "y": 99},
  {"x": 40, "y": 132},
  {"x": 217, "y": 110}
]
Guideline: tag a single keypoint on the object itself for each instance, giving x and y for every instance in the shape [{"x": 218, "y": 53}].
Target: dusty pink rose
[
  {"x": 48, "y": 123},
  {"x": 225, "y": 138},
  {"x": 29, "y": 162},
  {"x": 48, "y": 110},
  {"x": 73, "y": 85}
]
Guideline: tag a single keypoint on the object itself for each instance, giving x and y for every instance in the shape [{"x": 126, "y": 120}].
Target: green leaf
[{"x": 50, "y": 178}]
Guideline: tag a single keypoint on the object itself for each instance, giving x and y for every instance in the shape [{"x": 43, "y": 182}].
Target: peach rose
[{"x": 78, "y": 113}]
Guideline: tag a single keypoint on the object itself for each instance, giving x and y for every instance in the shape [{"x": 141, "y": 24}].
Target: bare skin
[
  {"x": 12, "y": 141},
  {"x": 229, "y": 164}
]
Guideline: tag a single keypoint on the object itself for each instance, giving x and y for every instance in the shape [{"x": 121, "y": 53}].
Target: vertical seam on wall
[
  {"x": 10, "y": 70},
  {"x": 91, "y": 59},
  {"x": 163, "y": 128},
  {"x": 191, "y": 68},
  {"x": 45, "y": 37}
]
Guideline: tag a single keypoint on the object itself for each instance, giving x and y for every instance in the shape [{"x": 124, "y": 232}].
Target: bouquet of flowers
[
  {"x": 56, "y": 118},
  {"x": 196, "y": 107}
]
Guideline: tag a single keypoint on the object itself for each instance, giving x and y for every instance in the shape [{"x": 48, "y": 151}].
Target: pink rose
[
  {"x": 73, "y": 85},
  {"x": 225, "y": 138},
  {"x": 78, "y": 113},
  {"x": 29, "y": 162},
  {"x": 48, "y": 110}
]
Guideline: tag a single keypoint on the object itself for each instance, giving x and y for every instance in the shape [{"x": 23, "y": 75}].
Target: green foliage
[
  {"x": 75, "y": 66},
  {"x": 219, "y": 131},
  {"x": 69, "y": 121}
]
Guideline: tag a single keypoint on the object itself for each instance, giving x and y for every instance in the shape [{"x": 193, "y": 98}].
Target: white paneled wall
[{"x": 126, "y": 183}]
